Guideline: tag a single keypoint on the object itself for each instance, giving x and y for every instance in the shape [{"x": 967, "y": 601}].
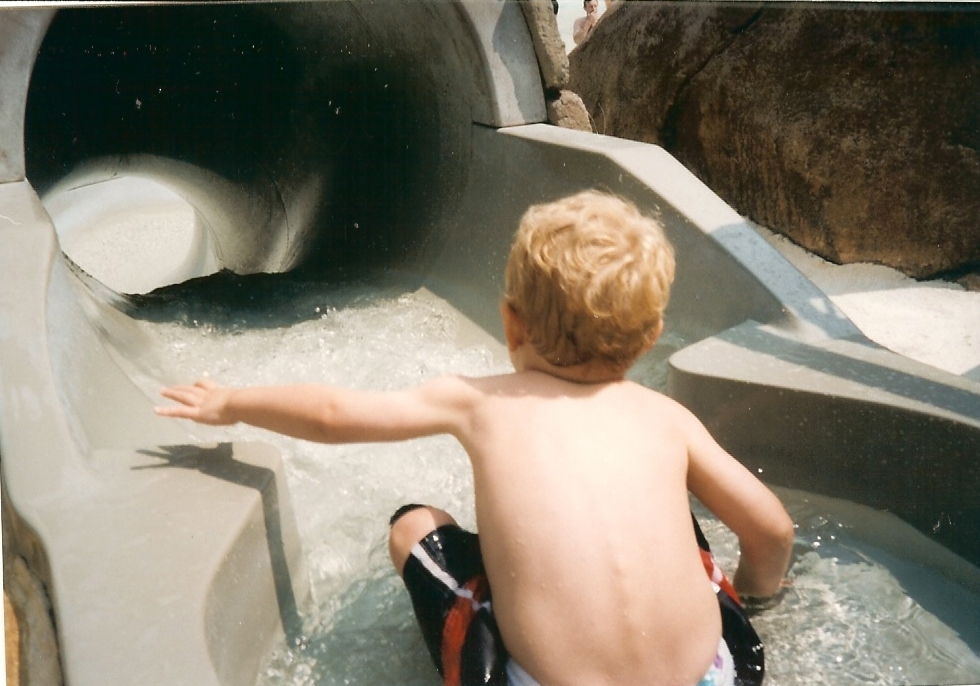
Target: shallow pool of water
[{"x": 852, "y": 614}]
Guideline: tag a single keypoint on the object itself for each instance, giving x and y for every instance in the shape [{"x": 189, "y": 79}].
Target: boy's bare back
[{"x": 586, "y": 531}]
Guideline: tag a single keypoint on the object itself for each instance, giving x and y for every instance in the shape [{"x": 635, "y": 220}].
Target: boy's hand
[{"x": 205, "y": 402}]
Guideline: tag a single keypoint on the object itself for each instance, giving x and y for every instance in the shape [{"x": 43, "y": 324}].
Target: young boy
[{"x": 581, "y": 477}]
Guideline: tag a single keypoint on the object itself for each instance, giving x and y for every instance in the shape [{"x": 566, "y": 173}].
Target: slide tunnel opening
[{"x": 323, "y": 136}]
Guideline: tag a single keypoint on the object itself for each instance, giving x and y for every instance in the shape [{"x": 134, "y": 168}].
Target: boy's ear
[
  {"x": 514, "y": 331},
  {"x": 654, "y": 337}
]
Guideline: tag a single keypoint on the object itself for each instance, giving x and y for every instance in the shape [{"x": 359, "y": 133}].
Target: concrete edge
[
  {"x": 84, "y": 512},
  {"x": 21, "y": 33}
]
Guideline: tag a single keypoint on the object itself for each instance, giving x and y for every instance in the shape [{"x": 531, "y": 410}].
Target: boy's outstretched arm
[
  {"x": 747, "y": 507},
  {"x": 326, "y": 414}
]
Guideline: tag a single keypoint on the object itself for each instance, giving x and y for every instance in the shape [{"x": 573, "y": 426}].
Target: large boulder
[{"x": 854, "y": 131}]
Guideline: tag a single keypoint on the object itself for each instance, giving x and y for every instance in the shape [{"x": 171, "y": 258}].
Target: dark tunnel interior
[{"x": 267, "y": 97}]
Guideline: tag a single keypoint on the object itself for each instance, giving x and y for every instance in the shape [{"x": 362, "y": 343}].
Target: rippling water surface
[{"x": 847, "y": 618}]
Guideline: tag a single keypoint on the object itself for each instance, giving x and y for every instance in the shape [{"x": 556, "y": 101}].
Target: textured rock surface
[
  {"x": 37, "y": 660},
  {"x": 856, "y": 132},
  {"x": 548, "y": 46},
  {"x": 568, "y": 111}
]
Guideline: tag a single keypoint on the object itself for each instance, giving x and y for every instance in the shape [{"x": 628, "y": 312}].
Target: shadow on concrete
[
  {"x": 219, "y": 462},
  {"x": 889, "y": 379}
]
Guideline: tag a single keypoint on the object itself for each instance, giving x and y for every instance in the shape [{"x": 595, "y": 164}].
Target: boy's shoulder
[{"x": 524, "y": 383}]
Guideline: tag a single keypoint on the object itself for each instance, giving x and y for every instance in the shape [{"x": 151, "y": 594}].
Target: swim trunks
[
  {"x": 447, "y": 583},
  {"x": 721, "y": 672},
  {"x": 736, "y": 630}
]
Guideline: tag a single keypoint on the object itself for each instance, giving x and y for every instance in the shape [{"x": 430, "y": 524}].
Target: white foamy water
[{"x": 846, "y": 618}]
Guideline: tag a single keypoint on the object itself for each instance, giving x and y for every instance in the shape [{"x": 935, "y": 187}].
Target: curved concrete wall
[
  {"x": 342, "y": 137},
  {"x": 320, "y": 135}
]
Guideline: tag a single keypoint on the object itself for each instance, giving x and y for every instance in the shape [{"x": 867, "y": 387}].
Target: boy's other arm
[
  {"x": 327, "y": 414},
  {"x": 747, "y": 507}
]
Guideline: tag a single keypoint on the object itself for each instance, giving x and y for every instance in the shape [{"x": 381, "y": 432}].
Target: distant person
[
  {"x": 582, "y": 27},
  {"x": 588, "y": 567}
]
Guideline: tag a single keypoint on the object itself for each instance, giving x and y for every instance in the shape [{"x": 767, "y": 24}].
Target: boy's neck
[
  {"x": 588, "y": 373},
  {"x": 525, "y": 358}
]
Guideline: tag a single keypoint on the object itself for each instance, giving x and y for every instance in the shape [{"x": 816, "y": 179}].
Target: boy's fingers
[
  {"x": 179, "y": 411},
  {"x": 200, "y": 387},
  {"x": 182, "y": 394},
  {"x": 182, "y": 411},
  {"x": 190, "y": 396}
]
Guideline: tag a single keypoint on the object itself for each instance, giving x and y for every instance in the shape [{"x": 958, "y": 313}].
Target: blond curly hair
[{"x": 589, "y": 276}]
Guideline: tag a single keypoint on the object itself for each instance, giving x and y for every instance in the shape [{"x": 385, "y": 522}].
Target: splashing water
[{"x": 846, "y": 618}]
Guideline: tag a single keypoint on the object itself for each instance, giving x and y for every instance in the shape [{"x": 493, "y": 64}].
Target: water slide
[{"x": 348, "y": 139}]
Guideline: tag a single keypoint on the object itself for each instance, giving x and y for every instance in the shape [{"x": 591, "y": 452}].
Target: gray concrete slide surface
[{"x": 355, "y": 136}]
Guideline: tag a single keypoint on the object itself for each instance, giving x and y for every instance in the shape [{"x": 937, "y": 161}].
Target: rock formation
[
  {"x": 564, "y": 107},
  {"x": 854, "y": 131}
]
